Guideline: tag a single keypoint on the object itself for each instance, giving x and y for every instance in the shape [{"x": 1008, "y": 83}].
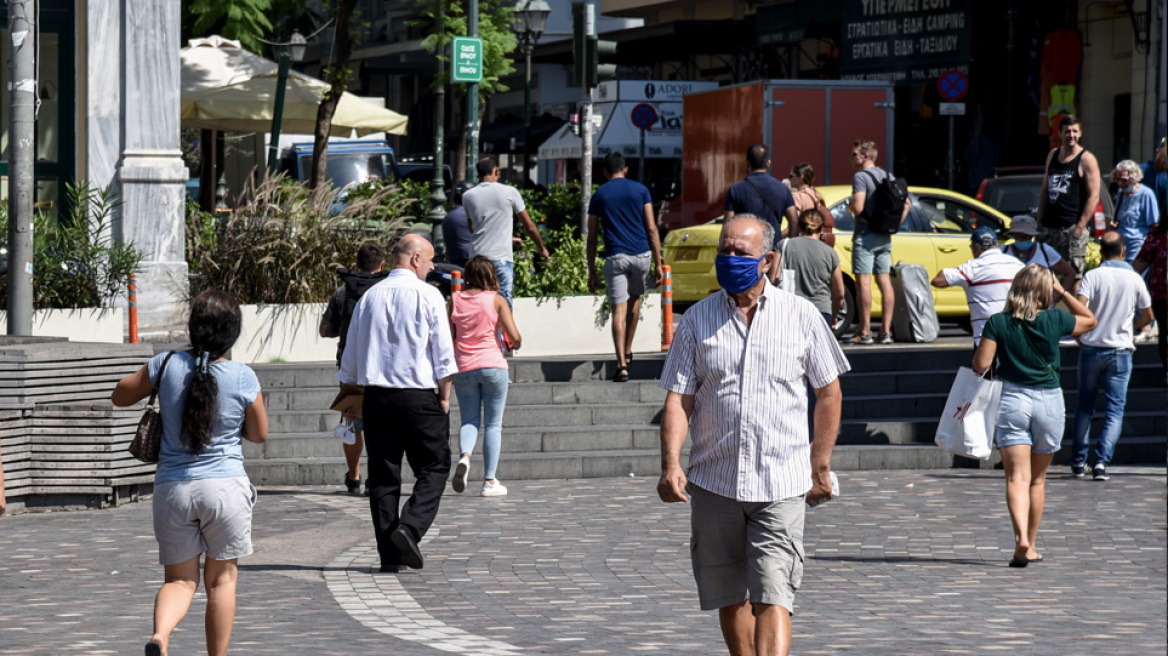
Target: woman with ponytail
[{"x": 202, "y": 497}]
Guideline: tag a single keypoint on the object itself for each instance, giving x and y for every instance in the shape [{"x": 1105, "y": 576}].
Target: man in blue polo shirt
[
  {"x": 762, "y": 195},
  {"x": 625, "y": 210}
]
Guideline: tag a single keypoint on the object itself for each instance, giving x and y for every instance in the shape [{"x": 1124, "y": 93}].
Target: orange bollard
[
  {"x": 455, "y": 281},
  {"x": 667, "y": 308},
  {"x": 133, "y": 298}
]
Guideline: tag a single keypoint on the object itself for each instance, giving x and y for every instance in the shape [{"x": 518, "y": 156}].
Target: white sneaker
[
  {"x": 344, "y": 433},
  {"x": 495, "y": 489},
  {"x": 460, "y": 472}
]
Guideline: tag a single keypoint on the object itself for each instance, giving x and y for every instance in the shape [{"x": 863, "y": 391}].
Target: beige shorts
[
  {"x": 211, "y": 515},
  {"x": 746, "y": 551}
]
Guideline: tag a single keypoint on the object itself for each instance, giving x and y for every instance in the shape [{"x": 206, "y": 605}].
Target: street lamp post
[
  {"x": 437, "y": 197},
  {"x": 529, "y": 22},
  {"x": 294, "y": 53}
]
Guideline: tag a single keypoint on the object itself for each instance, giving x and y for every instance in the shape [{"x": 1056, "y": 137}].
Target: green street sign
[{"x": 468, "y": 59}]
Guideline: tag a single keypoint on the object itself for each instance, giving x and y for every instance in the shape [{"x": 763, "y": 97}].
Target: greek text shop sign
[{"x": 904, "y": 41}]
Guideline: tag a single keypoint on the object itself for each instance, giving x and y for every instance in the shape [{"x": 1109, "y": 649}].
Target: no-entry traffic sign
[
  {"x": 644, "y": 116},
  {"x": 952, "y": 85}
]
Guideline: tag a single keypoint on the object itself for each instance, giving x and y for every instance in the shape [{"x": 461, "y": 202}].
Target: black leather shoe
[
  {"x": 353, "y": 485},
  {"x": 408, "y": 546},
  {"x": 153, "y": 648}
]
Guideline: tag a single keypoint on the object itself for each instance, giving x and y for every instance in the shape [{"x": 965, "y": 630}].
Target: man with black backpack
[
  {"x": 760, "y": 194},
  {"x": 335, "y": 323},
  {"x": 879, "y": 203}
]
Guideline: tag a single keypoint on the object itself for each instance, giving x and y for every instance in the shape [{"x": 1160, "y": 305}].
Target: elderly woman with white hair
[{"x": 1136, "y": 210}]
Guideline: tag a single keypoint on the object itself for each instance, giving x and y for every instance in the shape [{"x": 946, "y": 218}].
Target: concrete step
[
  {"x": 562, "y": 393},
  {"x": 515, "y": 440},
  {"x": 646, "y": 462},
  {"x": 922, "y": 430}
]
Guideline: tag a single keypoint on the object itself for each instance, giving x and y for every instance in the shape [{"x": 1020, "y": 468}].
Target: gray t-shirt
[
  {"x": 492, "y": 207},
  {"x": 813, "y": 262},
  {"x": 863, "y": 181}
]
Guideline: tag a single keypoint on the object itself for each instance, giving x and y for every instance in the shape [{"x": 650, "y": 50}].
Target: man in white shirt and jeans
[
  {"x": 736, "y": 374},
  {"x": 986, "y": 279},
  {"x": 400, "y": 349},
  {"x": 1115, "y": 293}
]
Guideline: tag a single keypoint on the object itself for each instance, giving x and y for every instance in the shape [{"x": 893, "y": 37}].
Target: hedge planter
[
  {"x": 105, "y": 325},
  {"x": 567, "y": 326}
]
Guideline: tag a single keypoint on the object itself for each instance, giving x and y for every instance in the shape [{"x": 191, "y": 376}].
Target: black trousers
[{"x": 405, "y": 422}]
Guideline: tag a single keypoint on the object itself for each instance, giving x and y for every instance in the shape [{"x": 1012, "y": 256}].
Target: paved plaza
[{"x": 906, "y": 562}]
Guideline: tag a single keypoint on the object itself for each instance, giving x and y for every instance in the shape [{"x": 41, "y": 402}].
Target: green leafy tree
[
  {"x": 498, "y": 44},
  {"x": 246, "y": 21}
]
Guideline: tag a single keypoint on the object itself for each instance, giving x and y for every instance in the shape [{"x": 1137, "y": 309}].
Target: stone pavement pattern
[{"x": 906, "y": 562}]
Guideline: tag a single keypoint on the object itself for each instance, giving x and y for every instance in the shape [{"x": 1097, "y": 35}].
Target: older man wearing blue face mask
[
  {"x": 737, "y": 377},
  {"x": 1023, "y": 229}
]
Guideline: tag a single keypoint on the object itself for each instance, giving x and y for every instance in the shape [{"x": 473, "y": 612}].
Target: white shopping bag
[{"x": 967, "y": 423}]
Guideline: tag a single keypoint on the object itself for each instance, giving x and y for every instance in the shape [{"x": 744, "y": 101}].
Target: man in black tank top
[{"x": 1069, "y": 196}]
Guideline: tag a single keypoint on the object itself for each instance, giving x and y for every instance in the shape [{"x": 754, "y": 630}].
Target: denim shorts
[
  {"x": 871, "y": 253},
  {"x": 1031, "y": 416}
]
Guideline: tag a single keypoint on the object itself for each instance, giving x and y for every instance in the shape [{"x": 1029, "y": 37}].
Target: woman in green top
[{"x": 1029, "y": 428}]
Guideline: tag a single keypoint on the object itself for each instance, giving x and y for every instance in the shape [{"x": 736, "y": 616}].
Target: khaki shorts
[
  {"x": 211, "y": 515},
  {"x": 746, "y": 551}
]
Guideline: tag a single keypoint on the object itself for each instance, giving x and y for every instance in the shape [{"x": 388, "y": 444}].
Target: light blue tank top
[{"x": 223, "y": 458}]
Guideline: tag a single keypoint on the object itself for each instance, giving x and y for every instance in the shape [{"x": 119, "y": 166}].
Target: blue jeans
[
  {"x": 505, "y": 272},
  {"x": 482, "y": 391},
  {"x": 1109, "y": 369}
]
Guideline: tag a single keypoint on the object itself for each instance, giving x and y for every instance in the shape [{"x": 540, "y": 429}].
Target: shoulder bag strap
[
  {"x": 778, "y": 214},
  {"x": 153, "y": 385},
  {"x": 1041, "y": 357}
]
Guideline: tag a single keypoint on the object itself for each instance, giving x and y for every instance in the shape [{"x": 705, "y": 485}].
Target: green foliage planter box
[
  {"x": 568, "y": 326},
  {"x": 106, "y": 325},
  {"x": 283, "y": 333}
]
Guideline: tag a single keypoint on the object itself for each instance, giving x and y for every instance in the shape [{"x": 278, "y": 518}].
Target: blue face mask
[
  {"x": 1024, "y": 245},
  {"x": 737, "y": 273}
]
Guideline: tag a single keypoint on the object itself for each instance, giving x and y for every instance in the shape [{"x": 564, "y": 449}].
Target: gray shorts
[
  {"x": 746, "y": 551},
  {"x": 625, "y": 276},
  {"x": 211, "y": 515}
]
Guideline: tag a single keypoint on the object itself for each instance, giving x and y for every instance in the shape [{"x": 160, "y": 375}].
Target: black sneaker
[
  {"x": 408, "y": 546},
  {"x": 1079, "y": 470},
  {"x": 354, "y": 486},
  {"x": 1099, "y": 473}
]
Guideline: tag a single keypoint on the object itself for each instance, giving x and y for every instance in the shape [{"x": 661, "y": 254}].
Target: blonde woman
[{"x": 1029, "y": 428}]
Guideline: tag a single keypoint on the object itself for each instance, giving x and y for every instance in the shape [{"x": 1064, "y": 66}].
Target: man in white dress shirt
[
  {"x": 399, "y": 348},
  {"x": 737, "y": 374}
]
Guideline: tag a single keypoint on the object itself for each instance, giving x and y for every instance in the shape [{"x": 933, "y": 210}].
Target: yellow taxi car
[{"x": 935, "y": 234}]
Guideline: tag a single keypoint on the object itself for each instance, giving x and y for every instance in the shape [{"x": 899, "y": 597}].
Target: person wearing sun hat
[
  {"x": 1024, "y": 229},
  {"x": 986, "y": 278}
]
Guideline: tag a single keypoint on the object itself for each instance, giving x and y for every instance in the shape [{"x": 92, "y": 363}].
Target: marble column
[{"x": 151, "y": 174}]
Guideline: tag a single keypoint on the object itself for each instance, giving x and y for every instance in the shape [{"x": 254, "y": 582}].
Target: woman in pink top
[{"x": 476, "y": 316}]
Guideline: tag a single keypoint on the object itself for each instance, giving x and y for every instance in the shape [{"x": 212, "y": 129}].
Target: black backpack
[
  {"x": 356, "y": 284},
  {"x": 886, "y": 205}
]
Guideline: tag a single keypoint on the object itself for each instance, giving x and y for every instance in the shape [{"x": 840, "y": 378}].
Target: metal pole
[
  {"x": 22, "y": 87},
  {"x": 472, "y": 101},
  {"x": 641, "y": 163},
  {"x": 278, "y": 112},
  {"x": 951, "y": 152},
  {"x": 437, "y": 197},
  {"x": 585, "y": 127},
  {"x": 1162, "y": 77},
  {"x": 527, "y": 48},
  {"x": 133, "y": 303}
]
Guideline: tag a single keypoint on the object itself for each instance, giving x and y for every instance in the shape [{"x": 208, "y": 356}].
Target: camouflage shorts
[{"x": 1072, "y": 249}]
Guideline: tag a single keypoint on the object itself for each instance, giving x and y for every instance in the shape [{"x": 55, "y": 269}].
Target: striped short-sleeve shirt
[{"x": 749, "y": 383}]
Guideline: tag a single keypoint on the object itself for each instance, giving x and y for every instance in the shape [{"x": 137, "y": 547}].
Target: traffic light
[
  {"x": 578, "y": 44},
  {"x": 597, "y": 71}
]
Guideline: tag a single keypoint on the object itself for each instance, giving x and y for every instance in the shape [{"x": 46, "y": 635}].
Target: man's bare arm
[
  {"x": 533, "y": 230},
  {"x": 674, "y": 427},
  {"x": 1091, "y": 174},
  {"x": 828, "y": 402},
  {"x": 654, "y": 243},
  {"x": 1045, "y": 187}
]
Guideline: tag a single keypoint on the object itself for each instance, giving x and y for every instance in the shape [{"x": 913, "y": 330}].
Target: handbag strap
[
  {"x": 153, "y": 385},
  {"x": 1045, "y": 362},
  {"x": 778, "y": 214}
]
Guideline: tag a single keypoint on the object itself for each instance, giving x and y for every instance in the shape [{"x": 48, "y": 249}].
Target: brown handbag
[{"x": 148, "y": 438}]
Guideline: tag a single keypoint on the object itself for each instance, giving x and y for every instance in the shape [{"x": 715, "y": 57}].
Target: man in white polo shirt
[
  {"x": 1114, "y": 292},
  {"x": 986, "y": 278}
]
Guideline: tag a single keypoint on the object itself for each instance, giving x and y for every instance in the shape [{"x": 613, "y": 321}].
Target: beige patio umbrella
[{"x": 248, "y": 106}]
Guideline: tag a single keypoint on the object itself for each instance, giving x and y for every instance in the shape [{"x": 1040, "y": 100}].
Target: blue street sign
[
  {"x": 952, "y": 85},
  {"x": 644, "y": 116}
]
